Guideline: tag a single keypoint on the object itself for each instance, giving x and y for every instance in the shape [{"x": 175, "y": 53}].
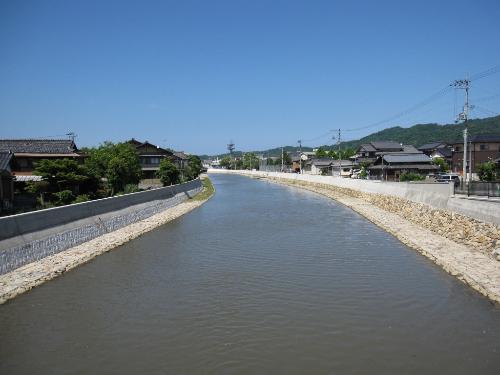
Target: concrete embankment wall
[
  {"x": 436, "y": 195},
  {"x": 28, "y": 237}
]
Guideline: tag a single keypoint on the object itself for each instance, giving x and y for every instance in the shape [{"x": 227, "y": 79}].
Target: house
[
  {"x": 330, "y": 167},
  {"x": 27, "y": 152},
  {"x": 181, "y": 160},
  {"x": 150, "y": 157},
  {"x": 344, "y": 168},
  {"x": 320, "y": 166},
  {"x": 481, "y": 148},
  {"x": 438, "y": 150},
  {"x": 300, "y": 158},
  {"x": 368, "y": 152},
  {"x": 390, "y": 166},
  {"x": 6, "y": 181},
  {"x": 430, "y": 148}
]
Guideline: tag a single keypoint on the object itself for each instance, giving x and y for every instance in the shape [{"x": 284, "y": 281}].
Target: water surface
[{"x": 262, "y": 279}]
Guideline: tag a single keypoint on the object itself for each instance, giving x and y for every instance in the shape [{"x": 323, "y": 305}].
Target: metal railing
[{"x": 479, "y": 188}]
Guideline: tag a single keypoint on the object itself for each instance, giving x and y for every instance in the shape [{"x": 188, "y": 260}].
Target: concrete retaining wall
[
  {"x": 32, "y": 236},
  {"x": 437, "y": 195}
]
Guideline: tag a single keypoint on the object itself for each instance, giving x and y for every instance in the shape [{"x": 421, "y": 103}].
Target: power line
[
  {"x": 485, "y": 110},
  {"x": 487, "y": 98},
  {"x": 437, "y": 95},
  {"x": 485, "y": 73},
  {"x": 407, "y": 111}
]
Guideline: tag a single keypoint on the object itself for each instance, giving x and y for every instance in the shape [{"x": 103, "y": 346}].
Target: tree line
[{"x": 108, "y": 169}]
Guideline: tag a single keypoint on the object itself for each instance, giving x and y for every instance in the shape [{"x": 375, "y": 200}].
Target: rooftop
[
  {"x": 386, "y": 145},
  {"x": 432, "y": 146},
  {"x": 406, "y": 158},
  {"x": 38, "y": 146}
]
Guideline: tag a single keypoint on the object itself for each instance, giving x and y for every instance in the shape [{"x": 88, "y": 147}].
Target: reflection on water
[{"x": 261, "y": 279}]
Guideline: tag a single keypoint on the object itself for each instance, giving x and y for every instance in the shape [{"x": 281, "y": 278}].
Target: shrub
[
  {"x": 81, "y": 198},
  {"x": 63, "y": 197},
  {"x": 410, "y": 176},
  {"x": 130, "y": 188},
  {"x": 168, "y": 173}
]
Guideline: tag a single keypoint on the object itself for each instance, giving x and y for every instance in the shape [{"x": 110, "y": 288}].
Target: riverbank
[
  {"x": 27, "y": 277},
  {"x": 465, "y": 255}
]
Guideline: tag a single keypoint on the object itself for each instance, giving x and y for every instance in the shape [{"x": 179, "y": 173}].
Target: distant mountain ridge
[
  {"x": 420, "y": 134},
  {"x": 416, "y": 135}
]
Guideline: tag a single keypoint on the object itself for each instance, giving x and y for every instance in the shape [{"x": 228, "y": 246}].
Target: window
[{"x": 483, "y": 148}]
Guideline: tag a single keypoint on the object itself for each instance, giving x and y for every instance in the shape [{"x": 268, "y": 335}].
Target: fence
[{"x": 485, "y": 189}]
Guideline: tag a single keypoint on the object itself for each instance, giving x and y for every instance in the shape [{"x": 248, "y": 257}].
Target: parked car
[{"x": 447, "y": 177}]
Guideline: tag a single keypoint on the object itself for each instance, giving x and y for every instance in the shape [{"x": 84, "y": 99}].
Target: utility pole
[
  {"x": 464, "y": 84},
  {"x": 333, "y": 141},
  {"x": 230, "y": 148},
  {"x": 300, "y": 156},
  {"x": 340, "y": 158},
  {"x": 282, "y": 161},
  {"x": 464, "y": 174}
]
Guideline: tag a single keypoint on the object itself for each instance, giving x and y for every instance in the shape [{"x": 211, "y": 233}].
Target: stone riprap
[
  {"x": 462, "y": 246},
  {"x": 30, "y": 275},
  {"x": 30, "y": 247}
]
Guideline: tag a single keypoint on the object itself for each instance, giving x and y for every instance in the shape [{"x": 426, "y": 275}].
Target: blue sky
[{"x": 192, "y": 75}]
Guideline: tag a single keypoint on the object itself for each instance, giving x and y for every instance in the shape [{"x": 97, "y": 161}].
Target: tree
[
  {"x": 225, "y": 162},
  {"x": 194, "y": 167},
  {"x": 287, "y": 159},
  {"x": 62, "y": 179},
  {"x": 322, "y": 153},
  {"x": 250, "y": 161},
  {"x": 238, "y": 164},
  {"x": 488, "y": 171},
  {"x": 344, "y": 154},
  {"x": 117, "y": 163},
  {"x": 363, "y": 173},
  {"x": 168, "y": 173},
  {"x": 442, "y": 164},
  {"x": 61, "y": 174}
]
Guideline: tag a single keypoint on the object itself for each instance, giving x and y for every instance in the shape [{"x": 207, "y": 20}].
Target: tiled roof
[
  {"x": 481, "y": 138},
  {"x": 386, "y": 145},
  {"x": 409, "y": 149},
  {"x": 367, "y": 147},
  {"x": 407, "y": 158},
  {"x": 485, "y": 138},
  {"x": 323, "y": 162},
  {"x": 38, "y": 146},
  {"x": 181, "y": 155},
  {"x": 5, "y": 158},
  {"x": 446, "y": 152},
  {"x": 431, "y": 146},
  {"x": 428, "y": 167}
]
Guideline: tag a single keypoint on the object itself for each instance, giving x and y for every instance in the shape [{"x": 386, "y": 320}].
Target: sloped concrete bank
[
  {"x": 30, "y": 275},
  {"x": 462, "y": 246}
]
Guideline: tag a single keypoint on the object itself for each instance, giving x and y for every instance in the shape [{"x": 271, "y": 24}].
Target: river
[{"x": 262, "y": 279}]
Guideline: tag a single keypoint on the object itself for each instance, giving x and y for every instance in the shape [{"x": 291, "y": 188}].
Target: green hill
[
  {"x": 419, "y": 134},
  {"x": 416, "y": 135}
]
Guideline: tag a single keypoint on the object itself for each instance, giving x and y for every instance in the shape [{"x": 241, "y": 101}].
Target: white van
[{"x": 447, "y": 177}]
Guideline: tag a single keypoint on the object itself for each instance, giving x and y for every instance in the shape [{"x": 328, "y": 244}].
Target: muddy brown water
[{"x": 262, "y": 279}]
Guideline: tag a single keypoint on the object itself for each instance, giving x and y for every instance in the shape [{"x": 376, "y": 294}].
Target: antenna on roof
[{"x": 71, "y": 136}]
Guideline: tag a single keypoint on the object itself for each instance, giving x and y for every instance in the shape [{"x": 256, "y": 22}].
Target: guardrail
[{"x": 478, "y": 188}]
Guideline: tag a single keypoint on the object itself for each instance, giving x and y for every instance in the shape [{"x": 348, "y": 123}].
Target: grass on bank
[{"x": 207, "y": 192}]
